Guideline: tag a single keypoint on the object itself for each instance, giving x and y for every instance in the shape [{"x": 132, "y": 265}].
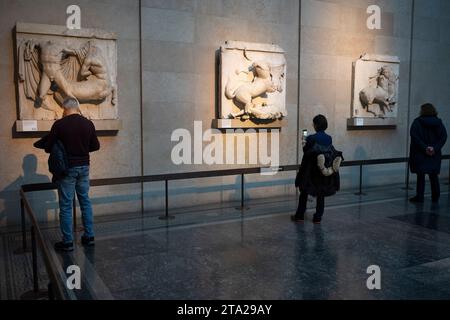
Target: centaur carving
[
  {"x": 52, "y": 69},
  {"x": 266, "y": 79},
  {"x": 383, "y": 93}
]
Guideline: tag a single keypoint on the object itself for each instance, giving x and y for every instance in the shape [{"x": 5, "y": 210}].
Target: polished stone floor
[{"x": 257, "y": 253}]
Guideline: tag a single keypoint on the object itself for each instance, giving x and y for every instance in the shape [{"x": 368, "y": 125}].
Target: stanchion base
[
  {"x": 35, "y": 295},
  {"x": 360, "y": 194},
  {"x": 409, "y": 188},
  {"x": 242, "y": 208},
  {"x": 22, "y": 250},
  {"x": 166, "y": 217}
]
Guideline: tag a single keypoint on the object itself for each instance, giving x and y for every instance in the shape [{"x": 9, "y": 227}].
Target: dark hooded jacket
[
  {"x": 309, "y": 178},
  {"x": 58, "y": 162},
  {"x": 426, "y": 131}
]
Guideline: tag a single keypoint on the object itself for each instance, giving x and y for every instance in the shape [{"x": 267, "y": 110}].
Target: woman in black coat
[
  {"x": 428, "y": 136},
  {"x": 310, "y": 179}
]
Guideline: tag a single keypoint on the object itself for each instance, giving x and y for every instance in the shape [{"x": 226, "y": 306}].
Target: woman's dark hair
[
  {"x": 320, "y": 123},
  {"x": 428, "y": 110}
]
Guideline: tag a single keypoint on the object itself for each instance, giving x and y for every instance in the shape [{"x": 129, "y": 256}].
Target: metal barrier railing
[
  {"x": 55, "y": 290},
  {"x": 25, "y": 206}
]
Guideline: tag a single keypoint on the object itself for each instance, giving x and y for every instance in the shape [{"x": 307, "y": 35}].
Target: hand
[{"x": 430, "y": 151}]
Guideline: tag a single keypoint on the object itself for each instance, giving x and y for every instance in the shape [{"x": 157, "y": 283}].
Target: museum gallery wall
[{"x": 202, "y": 62}]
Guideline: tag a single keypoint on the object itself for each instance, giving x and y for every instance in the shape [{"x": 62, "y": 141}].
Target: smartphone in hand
[{"x": 304, "y": 135}]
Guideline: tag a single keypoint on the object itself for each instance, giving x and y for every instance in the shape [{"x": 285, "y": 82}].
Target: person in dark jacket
[
  {"x": 428, "y": 136},
  {"x": 77, "y": 135},
  {"x": 310, "y": 180}
]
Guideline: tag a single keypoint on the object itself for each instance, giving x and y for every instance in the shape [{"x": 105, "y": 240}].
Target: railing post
[
  {"x": 34, "y": 260},
  {"x": 407, "y": 178},
  {"x": 166, "y": 187},
  {"x": 360, "y": 193},
  {"x": 242, "y": 190},
  {"x": 35, "y": 294},
  {"x": 242, "y": 206},
  {"x": 166, "y": 216},
  {"x": 23, "y": 223},
  {"x": 24, "y": 228},
  {"x": 407, "y": 187}
]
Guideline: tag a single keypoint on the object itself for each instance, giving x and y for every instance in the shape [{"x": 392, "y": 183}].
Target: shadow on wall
[{"x": 41, "y": 202}]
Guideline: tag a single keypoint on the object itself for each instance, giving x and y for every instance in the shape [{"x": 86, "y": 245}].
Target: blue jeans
[{"x": 77, "y": 179}]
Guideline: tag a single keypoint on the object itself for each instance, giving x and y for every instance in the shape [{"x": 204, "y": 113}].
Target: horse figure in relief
[{"x": 383, "y": 94}]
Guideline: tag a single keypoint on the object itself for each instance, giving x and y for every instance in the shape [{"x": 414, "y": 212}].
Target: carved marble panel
[
  {"x": 375, "y": 92},
  {"x": 54, "y": 62},
  {"x": 252, "y": 82}
]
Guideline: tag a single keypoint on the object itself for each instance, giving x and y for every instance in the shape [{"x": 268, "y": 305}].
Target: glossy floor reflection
[{"x": 260, "y": 254}]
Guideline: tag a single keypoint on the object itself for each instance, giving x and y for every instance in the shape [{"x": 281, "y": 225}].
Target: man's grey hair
[{"x": 71, "y": 103}]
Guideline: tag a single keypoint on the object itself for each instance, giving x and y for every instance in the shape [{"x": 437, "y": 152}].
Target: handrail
[
  {"x": 36, "y": 234},
  {"x": 206, "y": 174},
  {"x": 25, "y": 206}
]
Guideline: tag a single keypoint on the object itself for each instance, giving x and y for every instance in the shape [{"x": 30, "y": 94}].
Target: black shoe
[
  {"x": 62, "y": 246},
  {"x": 298, "y": 219},
  {"x": 416, "y": 199},
  {"x": 435, "y": 200},
  {"x": 87, "y": 241}
]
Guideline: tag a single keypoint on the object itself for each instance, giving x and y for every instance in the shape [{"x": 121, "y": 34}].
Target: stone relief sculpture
[
  {"x": 266, "y": 79},
  {"x": 50, "y": 69},
  {"x": 376, "y": 87},
  {"x": 253, "y": 82},
  {"x": 383, "y": 93},
  {"x": 54, "y": 63}
]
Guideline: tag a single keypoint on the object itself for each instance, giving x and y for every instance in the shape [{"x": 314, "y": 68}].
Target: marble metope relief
[
  {"x": 253, "y": 82},
  {"x": 55, "y": 63},
  {"x": 376, "y": 80}
]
